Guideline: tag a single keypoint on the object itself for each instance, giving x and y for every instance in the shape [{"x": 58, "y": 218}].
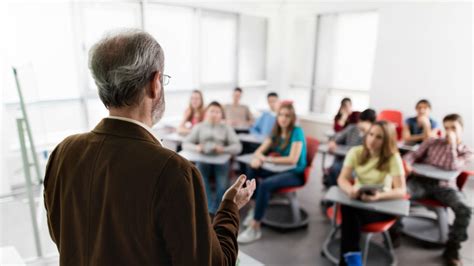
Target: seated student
[
  {"x": 264, "y": 124},
  {"x": 352, "y": 135},
  {"x": 194, "y": 113},
  {"x": 341, "y": 120},
  {"x": 451, "y": 154},
  {"x": 288, "y": 141},
  {"x": 238, "y": 115},
  {"x": 376, "y": 162},
  {"x": 422, "y": 126},
  {"x": 212, "y": 136}
]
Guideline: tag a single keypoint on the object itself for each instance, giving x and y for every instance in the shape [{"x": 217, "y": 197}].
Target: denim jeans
[
  {"x": 220, "y": 172},
  {"x": 334, "y": 172},
  {"x": 271, "y": 182},
  {"x": 353, "y": 219}
]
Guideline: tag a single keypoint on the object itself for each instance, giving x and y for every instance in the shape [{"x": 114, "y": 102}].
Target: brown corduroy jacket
[{"x": 115, "y": 196}]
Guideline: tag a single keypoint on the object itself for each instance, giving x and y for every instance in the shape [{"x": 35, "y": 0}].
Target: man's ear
[{"x": 155, "y": 86}]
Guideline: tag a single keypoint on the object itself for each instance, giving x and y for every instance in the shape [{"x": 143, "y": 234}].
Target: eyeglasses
[{"x": 165, "y": 79}]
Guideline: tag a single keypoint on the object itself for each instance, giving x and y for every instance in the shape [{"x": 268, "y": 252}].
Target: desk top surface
[
  {"x": 341, "y": 150},
  {"x": 205, "y": 158},
  {"x": 251, "y": 138},
  {"x": 399, "y": 207},
  {"x": 277, "y": 168},
  {"x": 435, "y": 172}
]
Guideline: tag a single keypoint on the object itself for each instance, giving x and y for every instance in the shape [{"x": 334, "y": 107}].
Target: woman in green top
[
  {"x": 377, "y": 162},
  {"x": 287, "y": 141}
]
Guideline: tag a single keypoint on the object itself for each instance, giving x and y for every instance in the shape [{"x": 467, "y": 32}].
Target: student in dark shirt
[{"x": 420, "y": 127}]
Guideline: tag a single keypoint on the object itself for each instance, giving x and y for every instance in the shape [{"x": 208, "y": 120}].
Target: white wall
[{"x": 424, "y": 50}]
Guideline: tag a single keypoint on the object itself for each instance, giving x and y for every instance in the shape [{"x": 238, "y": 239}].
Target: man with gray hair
[{"x": 115, "y": 195}]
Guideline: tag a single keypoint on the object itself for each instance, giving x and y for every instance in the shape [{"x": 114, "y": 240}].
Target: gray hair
[{"x": 122, "y": 63}]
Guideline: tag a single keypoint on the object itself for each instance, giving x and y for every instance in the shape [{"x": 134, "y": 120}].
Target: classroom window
[
  {"x": 100, "y": 18},
  {"x": 345, "y": 54},
  {"x": 173, "y": 28},
  {"x": 252, "y": 49},
  {"x": 218, "y": 48},
  {"x": 45, "y": 59}
]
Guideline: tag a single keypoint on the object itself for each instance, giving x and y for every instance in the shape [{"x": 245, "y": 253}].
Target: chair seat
[
  {"x": 378, "y": 227},
  {"x": 430, "y": 202},
  {"x": 330, "y": 214},
  {"x": 289, "y": 189}
]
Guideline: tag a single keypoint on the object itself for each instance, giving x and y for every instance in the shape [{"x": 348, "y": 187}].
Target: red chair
[
  {"x": 426, "y": 228},
  {"x": 395, "y": 117},
  {"x": 369, "y": 230},
  {"x": 278, "y": 215}
]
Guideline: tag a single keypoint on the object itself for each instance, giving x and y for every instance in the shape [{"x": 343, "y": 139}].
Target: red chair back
[
  {"x": 462, "y": 178},
  {"x": 395, "y": 117},
  {"x": 312, "y": 146}
]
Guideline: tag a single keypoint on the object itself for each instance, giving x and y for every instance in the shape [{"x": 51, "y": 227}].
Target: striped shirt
[
  {"x": 349, "y": 136},
  {"x": 439, "y": 153}
]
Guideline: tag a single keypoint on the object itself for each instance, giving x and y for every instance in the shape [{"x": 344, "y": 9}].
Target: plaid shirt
[{"x": 439, "y": 153}]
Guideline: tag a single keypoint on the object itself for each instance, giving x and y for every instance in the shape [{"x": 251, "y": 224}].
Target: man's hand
[
  {"x": 238, "y": 194},
  {"x": 332, "y": 146}
]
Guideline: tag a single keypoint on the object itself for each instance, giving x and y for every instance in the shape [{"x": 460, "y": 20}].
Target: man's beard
[{"x": 158, "y": 109}]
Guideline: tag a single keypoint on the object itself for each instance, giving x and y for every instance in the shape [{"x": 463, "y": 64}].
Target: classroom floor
[{"x": 301, "y": 247}]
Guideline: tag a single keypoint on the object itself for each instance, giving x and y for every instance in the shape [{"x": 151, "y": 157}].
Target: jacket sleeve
[
  {"x": 183, "y": 220},
  {"x": 51, "y": 197}
]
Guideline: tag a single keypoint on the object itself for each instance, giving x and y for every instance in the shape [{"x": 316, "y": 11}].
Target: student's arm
[
  {"x": 191, "y": 142},
  {"x": 292, "y": 158},
  {"x": 183, "y": 222},
  {"x": 426, "y": 134},
  {"x": 427, "y": 131},
  {"x": 414, "y": 156},
  {"x": 182, "y": 129},
  {"x": 457, "y": 159},
  {"x": 408, "y": 137},
  {"x": 249, "y": 116},
  {"x": 341, "y": 136},
  {"x": 344, "y": 183},
  {"x": 234, "y": 146},
  {"x": 346, "y": 175},
  {"x": 263, "y": 148},
  {"x": 256, "y": 128}
]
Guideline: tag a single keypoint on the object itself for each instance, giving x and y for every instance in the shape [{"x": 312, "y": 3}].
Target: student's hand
[
  {"x": 200, "y": 148},
  {"x": 219, "y": 149},
  {"x": 238, "y": 194},
  {"x": 260, "y": 156},
  {"x": 451, "y": 137},
  {"x": 408, "y": 168},
  {"x": 434, "y": 133},
  {"x": 332, "y": 146},
  {"x": 256, "y": 163},
  {"x": 354, "y": 193},
  {"x": 424, "y": 121},
  {"x": 370, "y": 198}
]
